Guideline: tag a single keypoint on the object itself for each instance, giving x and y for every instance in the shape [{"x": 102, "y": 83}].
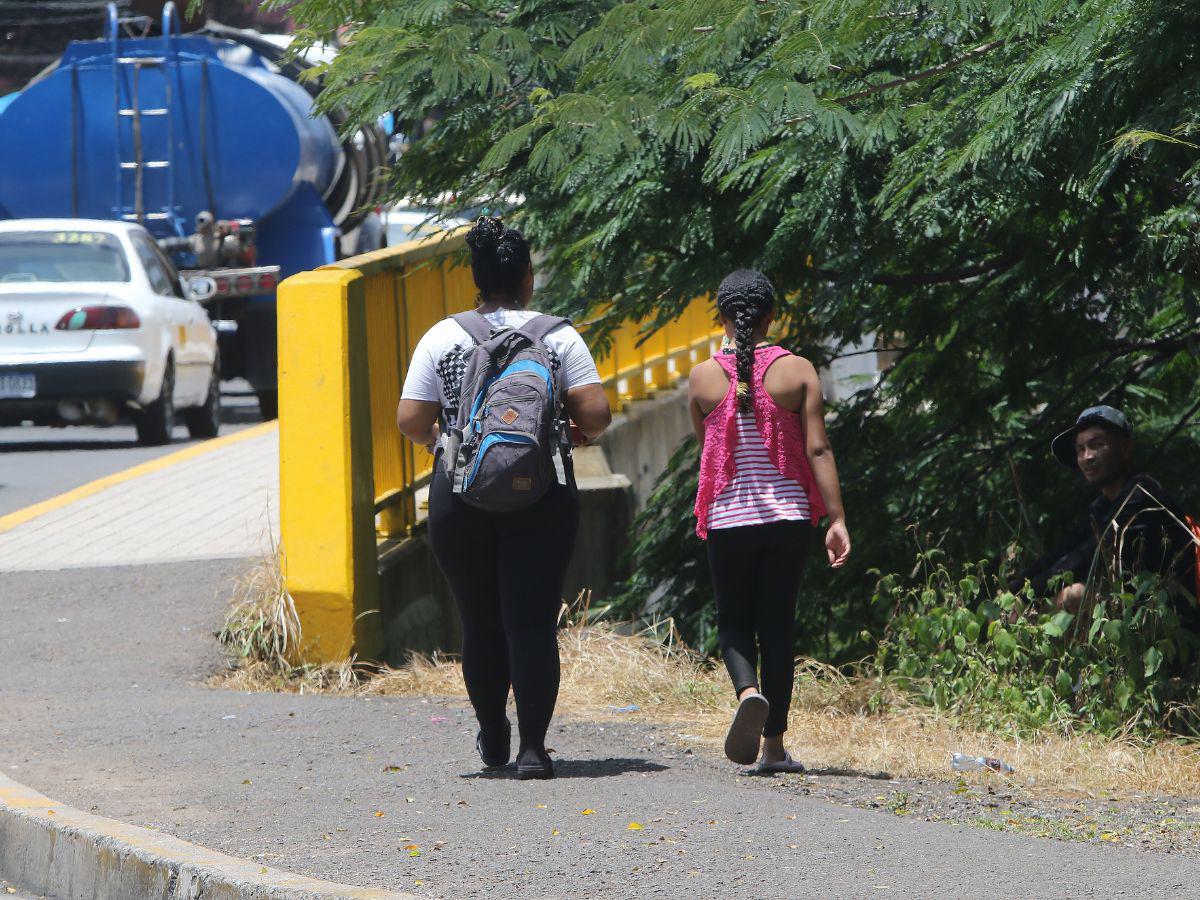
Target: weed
[
  {"x": 898, "y": 803},
  {"x": 262, "y": 629},
  {"x": 1121, "y": 666},
  {"x": 864, "y": 722}
]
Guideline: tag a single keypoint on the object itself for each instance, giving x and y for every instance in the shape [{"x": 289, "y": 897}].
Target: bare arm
[
  {"x": 824, "y": 467},
  {"x": 694, "y": 409},
  {"x": 417, "y": 421},
  {"x": 588, "y": 408}
]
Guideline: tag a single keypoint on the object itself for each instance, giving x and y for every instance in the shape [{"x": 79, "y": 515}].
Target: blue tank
[
  {"x": 230, "y": 137},
  {"x": 159, "y": 129}
]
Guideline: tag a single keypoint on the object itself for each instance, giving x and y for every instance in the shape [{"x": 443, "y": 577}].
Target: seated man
[{"x": 1133, "y": 515}]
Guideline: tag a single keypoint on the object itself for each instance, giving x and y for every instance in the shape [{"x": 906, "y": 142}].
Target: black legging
[
  {"x": 756, "y": 575},
  {"x": 506, "y": 572}
]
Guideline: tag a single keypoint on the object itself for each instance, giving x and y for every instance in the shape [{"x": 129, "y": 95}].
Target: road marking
[{"x": 21, "y": 516}]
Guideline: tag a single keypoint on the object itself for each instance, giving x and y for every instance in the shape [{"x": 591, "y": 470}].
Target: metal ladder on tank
[{"x": 134, "y": 113}]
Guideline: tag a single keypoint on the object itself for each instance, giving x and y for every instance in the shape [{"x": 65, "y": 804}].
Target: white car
[
  {"x": 405, "y": 222},
  {"x": 95, "y": 326}
]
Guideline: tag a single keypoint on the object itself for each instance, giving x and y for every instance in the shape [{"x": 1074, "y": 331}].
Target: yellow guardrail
[{"x": 348, "y": 480}]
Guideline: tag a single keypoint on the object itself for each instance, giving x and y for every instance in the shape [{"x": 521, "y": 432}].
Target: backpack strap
[
  {"x": 540, "y": 326},
  {"x": 476, "y": 325}
]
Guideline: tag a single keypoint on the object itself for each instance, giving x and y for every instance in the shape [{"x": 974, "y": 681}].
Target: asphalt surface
[
  {"x": 37, "y": 463},
  {"x": 10, "y": 891},
  {"x": 102, "y": 707}
]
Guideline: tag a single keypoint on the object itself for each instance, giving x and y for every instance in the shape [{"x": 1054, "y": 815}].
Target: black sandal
[
  {"x": 543, "y": 768},
  {"x": 495, "y": 755}
]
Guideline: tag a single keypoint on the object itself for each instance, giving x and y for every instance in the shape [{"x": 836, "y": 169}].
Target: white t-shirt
[{"x": 440, "y": 356}]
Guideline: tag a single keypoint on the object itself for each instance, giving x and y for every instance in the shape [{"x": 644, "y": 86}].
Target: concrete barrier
[
  {"x": 53, "y": 849},
  {"x": 416, "y": 607},
  {"x": 643, "y": 436},
  {"x": 349, "y": 483}
]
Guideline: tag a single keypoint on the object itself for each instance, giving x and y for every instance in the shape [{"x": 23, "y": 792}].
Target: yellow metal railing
[{"x": 347, "y": 478}]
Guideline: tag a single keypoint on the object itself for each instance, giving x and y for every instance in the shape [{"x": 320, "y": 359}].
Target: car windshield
[{"x": 61, "y": 256}]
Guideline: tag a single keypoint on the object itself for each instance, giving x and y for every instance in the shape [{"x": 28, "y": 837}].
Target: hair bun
[{"x": 485, "y": 234}]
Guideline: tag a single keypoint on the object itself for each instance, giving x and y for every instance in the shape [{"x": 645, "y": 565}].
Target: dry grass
[{"x": 605, "y": 669}]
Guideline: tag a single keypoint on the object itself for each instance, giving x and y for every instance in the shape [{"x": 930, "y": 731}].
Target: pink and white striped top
[{"x": 758, "y": 492}]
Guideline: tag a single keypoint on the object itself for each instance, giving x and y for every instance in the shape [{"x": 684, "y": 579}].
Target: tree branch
[
  {"x": 933, "y": 71},
  {"x": 948, "y": 276},
  {"x": 1179, "y": 426}
]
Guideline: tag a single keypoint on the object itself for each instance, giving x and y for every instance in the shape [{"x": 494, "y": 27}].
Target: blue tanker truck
[{"x": 209, "y": 140}]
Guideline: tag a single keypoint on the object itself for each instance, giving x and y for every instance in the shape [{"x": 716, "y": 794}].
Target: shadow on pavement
[
  {"x": 852, "y": 773},
  {"x": 237, "y": 413},
  {"x": 841, "y": 773},
  {"x": 581, "y": 768},
  {"x": 241, "y": 414},
  {"x": 58, "y": 446},
  {"x": 603, "y": 768}
]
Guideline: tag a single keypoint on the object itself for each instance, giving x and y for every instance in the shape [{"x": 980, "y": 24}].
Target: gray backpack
[{"x": 506, "y": 441}]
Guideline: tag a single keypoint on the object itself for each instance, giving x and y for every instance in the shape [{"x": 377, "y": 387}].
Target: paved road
[
  {"x": 39, "y": 463},
  {"x": 101, "y": 707},
  {"x": 211, "y": 505},
  {"x": 15, "y": 893}
]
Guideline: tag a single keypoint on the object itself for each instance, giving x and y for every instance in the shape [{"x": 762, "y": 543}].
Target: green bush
[{"x": 1124, "y": 664}]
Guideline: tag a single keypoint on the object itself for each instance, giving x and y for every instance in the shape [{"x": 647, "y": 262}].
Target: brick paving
[{"x": 220, "y": 505}]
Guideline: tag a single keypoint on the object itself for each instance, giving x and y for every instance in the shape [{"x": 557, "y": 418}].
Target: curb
[{"x": 49, "y": 848}]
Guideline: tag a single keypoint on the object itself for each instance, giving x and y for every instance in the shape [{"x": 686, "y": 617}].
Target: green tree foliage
[
  {"x": 1123, "y": 664},
  {"x": 1004, "y": 193}
]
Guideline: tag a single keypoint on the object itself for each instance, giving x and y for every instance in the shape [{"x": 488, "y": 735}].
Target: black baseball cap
[{"x": 1063, "y": 446}]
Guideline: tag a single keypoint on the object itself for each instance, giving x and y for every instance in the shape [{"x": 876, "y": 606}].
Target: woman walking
[
  {"x": 767, "y": 474},
  {"x": 505, "y": 569}
]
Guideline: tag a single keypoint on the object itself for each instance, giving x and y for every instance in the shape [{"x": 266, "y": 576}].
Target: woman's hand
[
  {"x": 837, "y": 544},
  {"x": 436, "y": 431}
]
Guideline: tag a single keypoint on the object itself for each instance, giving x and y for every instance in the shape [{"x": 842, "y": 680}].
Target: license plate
[{"x": 18, "y": 387}]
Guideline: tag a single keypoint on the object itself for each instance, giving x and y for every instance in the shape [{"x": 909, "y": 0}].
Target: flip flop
[
  {"x": 785, "y": 766},
  {"x": 745, "y": 731}
]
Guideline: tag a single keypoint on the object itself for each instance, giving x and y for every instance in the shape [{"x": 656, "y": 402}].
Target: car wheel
[
  {"x": 268, "y": 405},
  {"x": 205, "y": 421},
  {"x": 156, "y": 421}
]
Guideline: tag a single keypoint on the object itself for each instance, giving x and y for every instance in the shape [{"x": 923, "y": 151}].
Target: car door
[
  {"x": 201, "y": 337},
  {"x": 189, "y": 369}
]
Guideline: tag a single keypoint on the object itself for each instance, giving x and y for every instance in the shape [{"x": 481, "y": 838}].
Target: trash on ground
[
  {"x": 960, "y": 762},
  {"x": 632, "y": 707}
]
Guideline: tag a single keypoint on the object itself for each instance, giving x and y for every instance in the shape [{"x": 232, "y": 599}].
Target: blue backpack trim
[
  {"x": 490, "y": 441},
  {"x": 517, "y": 368}
]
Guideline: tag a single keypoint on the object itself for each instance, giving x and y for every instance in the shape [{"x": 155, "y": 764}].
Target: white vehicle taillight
[{"x": 99, "y": 318}]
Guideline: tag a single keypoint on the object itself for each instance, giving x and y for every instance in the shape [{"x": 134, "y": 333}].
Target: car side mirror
[{"x": 200, "y": 288}]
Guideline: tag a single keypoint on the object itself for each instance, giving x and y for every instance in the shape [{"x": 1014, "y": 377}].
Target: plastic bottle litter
[{"x": 960, "y": 762}]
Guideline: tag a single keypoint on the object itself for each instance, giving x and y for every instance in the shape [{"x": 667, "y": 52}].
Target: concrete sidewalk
[
  {"x": 213, "y": 500},
  {"x": 102, "y": 707}
]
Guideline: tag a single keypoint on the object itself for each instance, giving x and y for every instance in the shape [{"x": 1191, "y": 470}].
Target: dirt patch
[{"x": 1166, "y": 824}]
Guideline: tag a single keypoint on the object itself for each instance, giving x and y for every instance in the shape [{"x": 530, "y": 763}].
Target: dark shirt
[{"x": 1144, "y": 533}]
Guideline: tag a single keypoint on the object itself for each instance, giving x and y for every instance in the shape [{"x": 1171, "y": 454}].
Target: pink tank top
[
  {"x": 783, "y": 442},
  {"x": 758, "y": 492}
]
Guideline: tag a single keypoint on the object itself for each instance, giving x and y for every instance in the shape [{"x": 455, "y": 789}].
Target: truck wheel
[
  {"x": 268, "y": 405},
  {"x": 157, "y": 420},
  {"x": 205, "y": 421}
]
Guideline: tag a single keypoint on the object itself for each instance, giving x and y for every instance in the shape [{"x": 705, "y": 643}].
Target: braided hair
[
  {"x": 745, "y": 298},
  {"x": 499, "y": 258}
]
